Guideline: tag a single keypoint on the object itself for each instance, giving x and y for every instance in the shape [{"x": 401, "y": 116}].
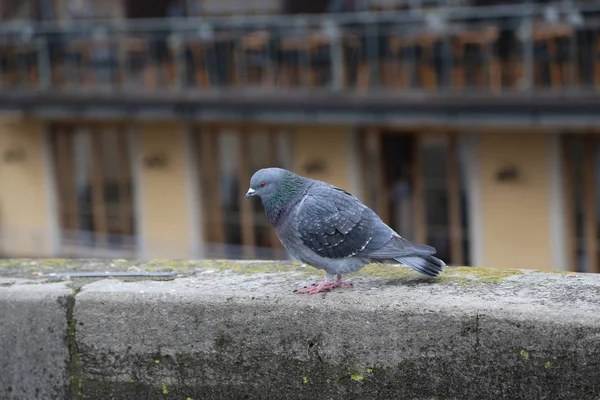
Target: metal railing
[
  {"x": 492, "y": 50},
  {"x": 76, "y": 244}
]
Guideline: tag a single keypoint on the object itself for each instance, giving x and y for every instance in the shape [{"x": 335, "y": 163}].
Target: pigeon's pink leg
[
  {"x": 341, "y": 282},
  {"x": 324, "y": 286}
]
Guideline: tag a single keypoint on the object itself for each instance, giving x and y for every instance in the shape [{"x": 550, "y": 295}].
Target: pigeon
[{"x": 330, "y": 229}]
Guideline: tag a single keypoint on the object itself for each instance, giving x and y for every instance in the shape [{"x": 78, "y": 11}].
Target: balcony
[{"x": 499, "y": 59}]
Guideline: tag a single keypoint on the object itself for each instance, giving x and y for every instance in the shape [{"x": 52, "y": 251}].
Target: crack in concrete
[
  {"x": 313, "y": 347},
  {"x": 319, "y": 356},
  {"x": 75, "y": 388},
  {"x": 477, "y": 330}
]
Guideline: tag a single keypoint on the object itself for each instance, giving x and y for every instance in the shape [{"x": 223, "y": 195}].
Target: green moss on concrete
[
  {"x": 386, "y": 271},
  {"x": 243, "y": 267},
  {"x": 185, "y": 377},
  {"x": 457, "y": 275},
  {"x": 291, "y": 270},
  {"x": 358, "y": 373},
  {"x": 25, "y": 263},
  {"x": 168, "y": 266},
  {"x": 547, "y": 364},
  {"x": 252, "y": 268},
  {"x": 553, "y": 272},
  {"x": 482, "y": 275},
  {"x": 524, "y": 354}
]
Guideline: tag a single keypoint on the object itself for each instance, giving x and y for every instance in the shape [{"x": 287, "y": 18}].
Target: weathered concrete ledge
[{"x": 233, "y": 330}]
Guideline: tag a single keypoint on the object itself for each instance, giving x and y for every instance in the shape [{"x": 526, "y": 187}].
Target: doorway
[
  {"x": 94, "y": 180},
  {"x": 581, "y": 169},
  {"x": 416, "y": 182},
  {"x": 235, "y": 228}
]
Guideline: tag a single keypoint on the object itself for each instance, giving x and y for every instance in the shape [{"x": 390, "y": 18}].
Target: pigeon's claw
[{"x": 323, "y": 286}]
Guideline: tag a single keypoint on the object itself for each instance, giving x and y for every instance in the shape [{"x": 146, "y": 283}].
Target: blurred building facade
[{"x": 131, "y": 129}]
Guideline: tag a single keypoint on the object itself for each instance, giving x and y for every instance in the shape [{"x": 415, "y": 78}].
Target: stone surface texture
[
  {"x": 237, "y": 330},
  {"x": 34, "y": 357}
]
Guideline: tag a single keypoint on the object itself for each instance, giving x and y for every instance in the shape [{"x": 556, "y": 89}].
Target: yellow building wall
[
  {"x": 325, "y": 146},
  {"x": 516, "y": 215},
  {"x": 25, "y": 216},
  {"x": 164, "y": 192}
]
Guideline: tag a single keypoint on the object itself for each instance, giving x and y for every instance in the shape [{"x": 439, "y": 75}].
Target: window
[
  {"x": 581, "y": 163},
  {"x": 94, "y": 190},
  {"x": 415, "y": 182},
  {"x": 233, "y": 226}
]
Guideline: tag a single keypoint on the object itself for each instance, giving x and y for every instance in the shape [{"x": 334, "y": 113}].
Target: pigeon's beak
[{"x": 250, "y": 193}]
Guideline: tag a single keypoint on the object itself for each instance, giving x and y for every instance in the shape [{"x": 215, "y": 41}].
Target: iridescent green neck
[{"x": 288, "y": 188}]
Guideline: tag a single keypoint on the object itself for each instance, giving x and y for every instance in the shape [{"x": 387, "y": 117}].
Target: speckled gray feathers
[{"x": 330, "y": 229}]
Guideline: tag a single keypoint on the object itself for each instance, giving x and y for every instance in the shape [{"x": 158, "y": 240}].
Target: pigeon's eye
[{"x": 262, "y": 184}]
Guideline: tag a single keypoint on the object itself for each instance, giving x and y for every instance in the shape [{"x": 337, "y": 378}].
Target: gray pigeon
[{"x": 330, "y": 229}]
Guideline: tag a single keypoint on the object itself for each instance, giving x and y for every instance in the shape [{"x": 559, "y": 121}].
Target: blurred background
[{"x": 130, "y": 128}]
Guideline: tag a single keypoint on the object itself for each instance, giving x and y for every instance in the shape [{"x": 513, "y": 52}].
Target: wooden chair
[
  {"x": 320, "y": 59},
  {"x": 68, "y": 69},
  {"x": 294, "y": 67},
  {"x": 94, "y": 56},
  {"x": 398, "y": 73},
  {"x": 9, "y": 72},
  {"x": 551, "y": 36},
  {"x": 79, "y": 51},
  {"x": 424, "y": 64},
  {"x": 480, "y": 62},
  {"x": 19, "y": 64},
  {"x": 28, "y": 52},
  {"x": 103, "y": 61},
  {"x": 199, "y": 66},
  {"x": 386, "y": 65},
  {"x": 367, "y": 66},
  {"x": 408, "y": 57},
  {"x": 254, "y": 62},
  {"x": 308, "y": 59},
  {"x": 135, "y": 51},
  {"x": 134, "y": 57},
  {"x": 547, "y": 39},
  {"x": 207, "y": 67}
]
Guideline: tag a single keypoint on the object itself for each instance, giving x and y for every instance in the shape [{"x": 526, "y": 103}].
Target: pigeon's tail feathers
[
  {"x": 397, "y": 247},
  {"x": 423, "y": 249},
  {"x": 426, "y": 264}
]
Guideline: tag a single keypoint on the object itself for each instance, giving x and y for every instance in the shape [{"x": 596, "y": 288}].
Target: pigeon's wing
[{"x": 333, "y": 223}]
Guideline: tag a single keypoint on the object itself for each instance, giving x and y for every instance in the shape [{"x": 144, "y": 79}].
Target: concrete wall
[
  {"x": 164, "y": 201},
  {"x": 224, "y": 330},
  {"x": 516, "y": 215},
  {"x": 326, "y": 145},
  {"x": 25, "y": 214},
  {"x": 34, "y": 350}
]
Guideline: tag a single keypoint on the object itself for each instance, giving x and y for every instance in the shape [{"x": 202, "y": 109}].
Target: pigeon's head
[{"x": 265, "y": 182}]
